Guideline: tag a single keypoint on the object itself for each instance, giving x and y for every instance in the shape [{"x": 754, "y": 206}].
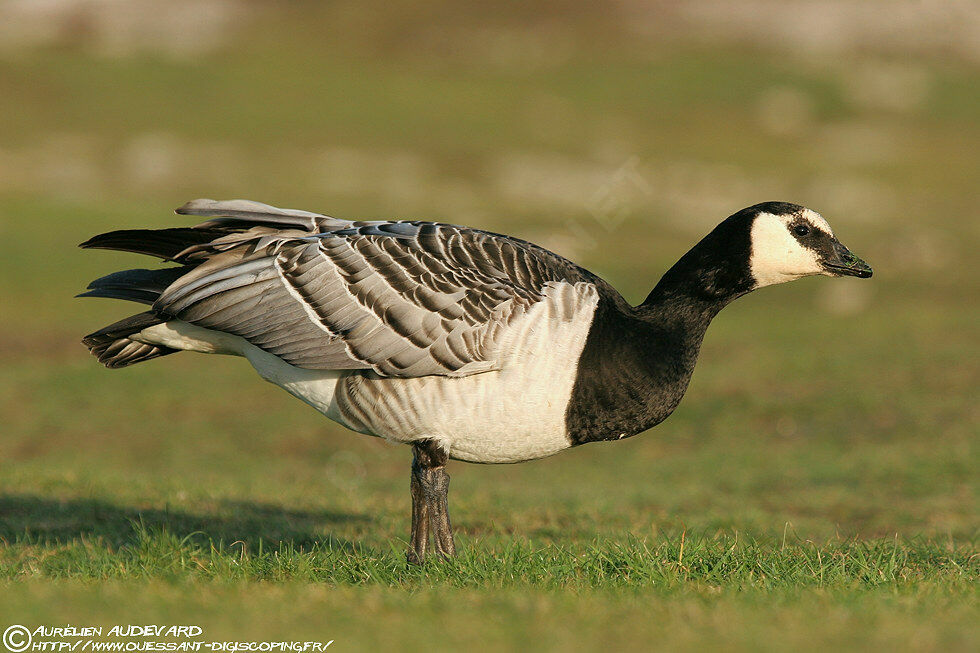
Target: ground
[{"x": 816, "y": 488}]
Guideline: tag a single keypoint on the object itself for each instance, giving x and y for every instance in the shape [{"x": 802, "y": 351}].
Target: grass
[
  {"x": 816, "y": 489},
  {"x": 682, "y": 592},
  {"x": 671, "y": 565}
]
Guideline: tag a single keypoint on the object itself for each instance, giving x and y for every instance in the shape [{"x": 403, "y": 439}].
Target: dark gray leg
[
  {"x": 430, "y": 503},
  {"x": 420, "y": 517}
]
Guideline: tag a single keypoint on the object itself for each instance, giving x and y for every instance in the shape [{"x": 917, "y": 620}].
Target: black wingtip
[{"x": 97, "y": 241}]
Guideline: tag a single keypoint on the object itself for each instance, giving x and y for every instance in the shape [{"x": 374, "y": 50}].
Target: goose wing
[{"x": 401, "y": 298}]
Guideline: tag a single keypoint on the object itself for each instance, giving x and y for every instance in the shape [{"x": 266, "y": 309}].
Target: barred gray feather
[
  {"x": 401, "y": 298},
  {"x": 112, "y": 346}
]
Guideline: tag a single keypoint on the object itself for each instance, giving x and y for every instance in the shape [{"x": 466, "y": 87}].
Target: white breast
[{"x": 512, "y": 414}]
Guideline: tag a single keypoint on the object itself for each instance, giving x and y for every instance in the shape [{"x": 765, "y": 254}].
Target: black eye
[{"x": 801, "y": 230}]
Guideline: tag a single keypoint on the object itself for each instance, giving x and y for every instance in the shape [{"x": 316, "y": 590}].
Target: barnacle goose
[{"x": 463, "y": 343}]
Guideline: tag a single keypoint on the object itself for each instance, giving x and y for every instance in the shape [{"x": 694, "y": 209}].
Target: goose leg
[
  {"x": 442, "y": 529},
  {"x": 420, "y": 516},
  {"x": 430, "y": 503}
]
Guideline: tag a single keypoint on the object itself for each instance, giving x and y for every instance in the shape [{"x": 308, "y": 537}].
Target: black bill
[{"x": 842, "y": 263}]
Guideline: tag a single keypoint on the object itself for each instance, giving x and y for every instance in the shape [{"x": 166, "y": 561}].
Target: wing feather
[{"x": 400, "y": 298}]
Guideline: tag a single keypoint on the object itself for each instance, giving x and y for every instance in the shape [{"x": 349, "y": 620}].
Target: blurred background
[{"x": 615, "y": 133}]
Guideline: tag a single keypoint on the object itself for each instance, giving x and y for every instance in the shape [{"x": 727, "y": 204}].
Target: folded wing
[{"x": 403, "y": 299}]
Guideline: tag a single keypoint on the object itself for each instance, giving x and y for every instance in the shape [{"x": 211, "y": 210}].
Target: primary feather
[{"x": 401, "y": 298}]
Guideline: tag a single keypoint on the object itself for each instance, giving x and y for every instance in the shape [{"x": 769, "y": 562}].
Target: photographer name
[{"x": 117, "y": 631}]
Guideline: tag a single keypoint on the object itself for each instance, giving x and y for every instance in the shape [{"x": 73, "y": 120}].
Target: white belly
[
  {"x": 493, "y": 417},
  {"x": 509, "y": 415}
]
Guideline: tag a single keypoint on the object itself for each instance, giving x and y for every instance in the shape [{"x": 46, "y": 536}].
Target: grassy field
[{"x": 816, "y": 489}]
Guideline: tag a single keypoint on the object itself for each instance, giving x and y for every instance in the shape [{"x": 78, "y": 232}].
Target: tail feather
[
  {"x": 230, "y": 223},
  {"x": 112, "y": 344},
  {"x": 143, "y": 286},
  {"x": 113, "y": 347},
  {"x": 162, "y": 243}
]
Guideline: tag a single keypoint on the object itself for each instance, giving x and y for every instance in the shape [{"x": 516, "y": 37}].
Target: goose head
[
  {"x": 788, "y": 242},
  {"x": 762, "y": 245}
]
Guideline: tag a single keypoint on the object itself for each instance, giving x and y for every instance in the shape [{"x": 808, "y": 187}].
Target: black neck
[
  {"x": 638, "y": 361},
  {"x": 709, "y": 276}
]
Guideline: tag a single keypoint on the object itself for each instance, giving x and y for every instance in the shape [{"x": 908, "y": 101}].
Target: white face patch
[{"x": 777, "y": 256}]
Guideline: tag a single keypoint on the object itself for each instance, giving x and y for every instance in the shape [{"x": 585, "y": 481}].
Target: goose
[{"x": 463, "y": 343}]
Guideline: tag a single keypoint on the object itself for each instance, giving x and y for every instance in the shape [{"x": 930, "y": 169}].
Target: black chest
[{"x": 631, "y": 376}]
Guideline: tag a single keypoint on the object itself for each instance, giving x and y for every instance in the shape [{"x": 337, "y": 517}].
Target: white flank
[
  {"x": 511, "y": 414},
  {"x": 177, "y": 334},
  {"x": 508, "y": 415},
  {"x": 315, "y": 387}
]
